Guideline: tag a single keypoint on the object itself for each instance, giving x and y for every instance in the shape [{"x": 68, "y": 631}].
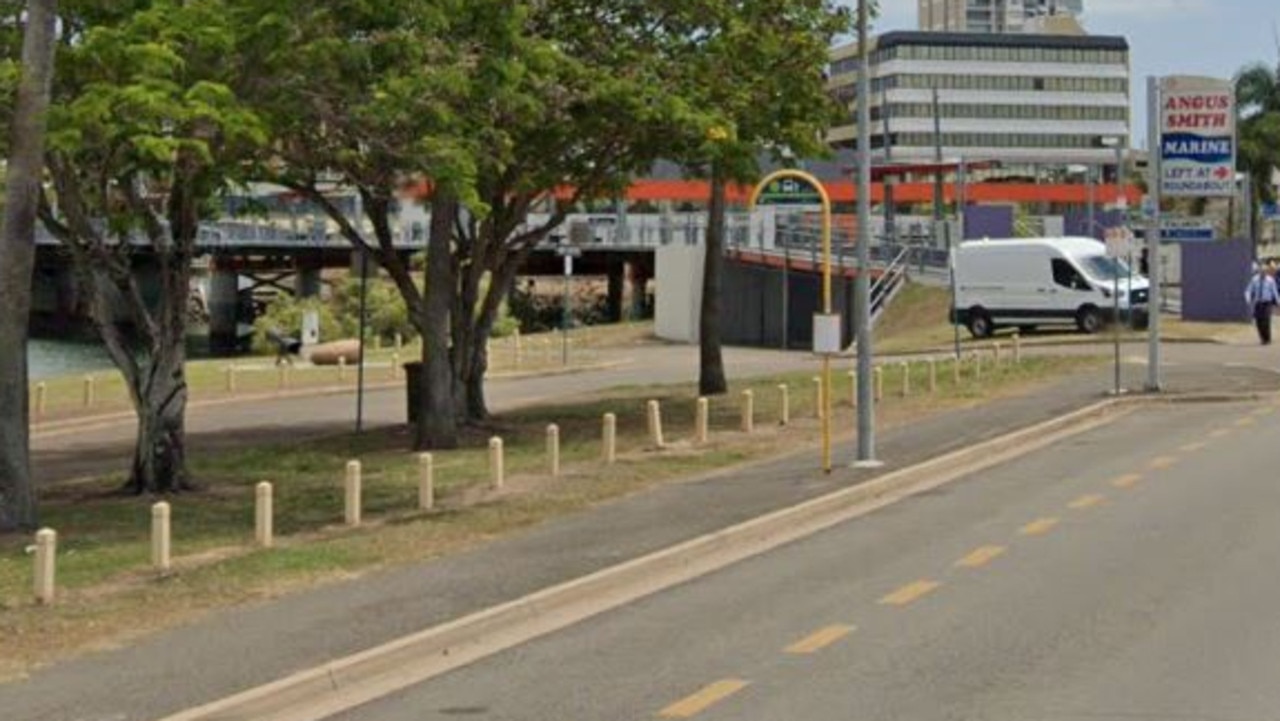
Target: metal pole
[
  {"x": 962, "y": 179},
  {"x": 1091, "y": 220},
  {"x": 364, "y": 287},
  {"x": 564, "y": 311},
  {"x": 937, "y": 156},
  {"x": 1153, "y": 234},
  {"x": 862, "y": 281}
]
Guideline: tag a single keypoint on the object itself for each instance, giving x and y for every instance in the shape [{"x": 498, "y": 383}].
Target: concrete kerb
[{"x": 346, "y": 683}]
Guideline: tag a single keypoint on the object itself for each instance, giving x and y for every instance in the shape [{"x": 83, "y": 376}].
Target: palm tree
[{"x": 1258, "y": 106}]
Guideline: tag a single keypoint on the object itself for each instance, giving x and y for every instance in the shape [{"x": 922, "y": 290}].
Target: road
[{"x": 1127, "y": 574}]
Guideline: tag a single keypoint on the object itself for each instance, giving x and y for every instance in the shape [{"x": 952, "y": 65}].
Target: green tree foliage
[
  {"x": 144, "y": 133},
  {"x": 1258, "y": 104}
]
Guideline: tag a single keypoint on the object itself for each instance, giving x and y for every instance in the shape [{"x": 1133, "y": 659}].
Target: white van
[{"x": 1027, "y": 282}]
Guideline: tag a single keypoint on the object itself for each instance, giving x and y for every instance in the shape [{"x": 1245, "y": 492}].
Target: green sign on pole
[{"x": 789, "y": 191}]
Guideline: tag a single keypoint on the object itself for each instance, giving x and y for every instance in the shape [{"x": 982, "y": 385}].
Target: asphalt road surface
[{"x": 1131, "y": 573}]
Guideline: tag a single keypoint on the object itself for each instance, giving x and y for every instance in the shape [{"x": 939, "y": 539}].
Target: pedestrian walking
[{"x": 1262, "y": 296}]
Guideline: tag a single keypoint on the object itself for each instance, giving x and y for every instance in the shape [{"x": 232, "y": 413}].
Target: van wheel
[
  {"x": 980, "y": 325},
  {"x": 1089, "y": 320}
]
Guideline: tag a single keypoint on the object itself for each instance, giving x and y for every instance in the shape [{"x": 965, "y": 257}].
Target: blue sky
[{"x": 1166, "y": 37}]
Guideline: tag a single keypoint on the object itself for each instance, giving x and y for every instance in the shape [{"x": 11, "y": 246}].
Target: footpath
[{"x": 248, "y": 646}]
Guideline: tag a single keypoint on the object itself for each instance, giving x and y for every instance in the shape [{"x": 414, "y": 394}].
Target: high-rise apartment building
[
  {"x": 990, "y": 16},
  {"x": 1016, "y": 98}
]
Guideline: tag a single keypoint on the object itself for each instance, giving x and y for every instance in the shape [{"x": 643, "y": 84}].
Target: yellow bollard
[
  {"x": 160, "y": 537},
  {"x": 264, "y": 515},
  {"x": 784, "y": 405},
  {"x": 497, "y": 464},
  {"x": 352, "y": 510},
  {"x": 553, "y": 450},
  {"x": 655, "y": 424},
  {"x": 610, "y": 433},
  {"x": 46, "y": 565},
  {"x": 748, "y": 411},
  {"x": 426, "y": 482},
  {"x": 702, "y": 422},
  {"x": 88, "y": 392}
]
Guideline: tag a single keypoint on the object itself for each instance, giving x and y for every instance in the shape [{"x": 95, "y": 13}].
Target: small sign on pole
[{"x": 826, "y": 333}]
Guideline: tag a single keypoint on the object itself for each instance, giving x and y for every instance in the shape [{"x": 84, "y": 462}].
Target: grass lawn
[
  {"x": 108, "y": 593},
  {"x": 917, "y": 322}
]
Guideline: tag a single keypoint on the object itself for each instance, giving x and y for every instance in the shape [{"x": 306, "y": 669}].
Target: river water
[{"x": 48, "y": 358}]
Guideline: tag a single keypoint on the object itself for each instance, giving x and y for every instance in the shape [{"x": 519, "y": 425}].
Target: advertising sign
[{"x": 1197, "y": 137}]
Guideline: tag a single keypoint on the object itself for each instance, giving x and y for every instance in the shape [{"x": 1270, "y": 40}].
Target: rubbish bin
[{"x": 413, "y": 389}]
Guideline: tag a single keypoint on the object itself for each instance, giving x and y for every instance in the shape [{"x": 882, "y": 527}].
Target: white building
[
  {"x": 1013, "y": 98},
  {"x": 990, "y": 16}
]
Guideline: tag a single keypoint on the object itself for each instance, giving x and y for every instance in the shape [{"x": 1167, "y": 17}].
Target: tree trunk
[
  {"x": 437, "y": 422},
  {"x": 17, "y": 259},
  {"x": 159, "y": 456},
  {"x": 711, "y": 378}
]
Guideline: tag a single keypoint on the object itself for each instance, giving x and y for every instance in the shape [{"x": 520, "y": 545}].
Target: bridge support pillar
[
  {"x": 634, "y": 296},
  {"x": 613, "y": 299},
  {"x": 224, "y": 291},
  {"x": 307, "y": 282}
]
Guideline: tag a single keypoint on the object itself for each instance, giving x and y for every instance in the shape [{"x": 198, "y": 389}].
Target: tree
[
  {"x": 501, "y": 105},
  {"x": 17, "y": 258},
  {"x": 144, "y": 136},
  {"x": 756, "y": 68},
  {"x": 1258, "y": 106}
]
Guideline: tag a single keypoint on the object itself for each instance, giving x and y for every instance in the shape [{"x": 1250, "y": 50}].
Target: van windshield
[{"x": 1101, "y": 267}]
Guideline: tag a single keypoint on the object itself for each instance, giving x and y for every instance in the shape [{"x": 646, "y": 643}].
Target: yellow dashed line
[
  {"x": 1039, "y": 527},
  {"x": 981, "y": 557},
  {"x": 704, "y": 699},
  {"x": 1245, "y": 422},
  {"x": 1193, "y": 447},
  {"x": 1088, "y": 501},
  {"x": 1162, "y": 462},
  {"x": 910, "y": 593},
  {"x": 819, "y": 640},
  {"x": 1129, "y": 480}
]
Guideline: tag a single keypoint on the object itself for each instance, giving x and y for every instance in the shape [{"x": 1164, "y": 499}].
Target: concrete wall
[{"x": 678, "y": 292}]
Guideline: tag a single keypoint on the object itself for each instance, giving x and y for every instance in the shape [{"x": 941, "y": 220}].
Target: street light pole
[{"x": 862, "y": 280}]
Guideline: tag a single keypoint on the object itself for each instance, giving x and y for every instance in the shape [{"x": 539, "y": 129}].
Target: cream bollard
[
  {"x": 161, "y": 537},
  {"x": 497, "y": 464},
  {"x": 784, "y": 405},
  {"x": 89, "y": 394},
  {"x": 702, "y": 422},
  {"x": 352, "y": 502},
  {"x": 42, "y": 399},
  {"x": 748, "y": 411},
  {"x": 655, "y": 424},
  {"x": 342, "y": 369},
  {"x": 609, "y": 452},
  {"x": 553, "y": 450},
  {"x": 264, "y": 515},
  {"x": 46, "y": 565},
  {"x": 426, "y": 482}
]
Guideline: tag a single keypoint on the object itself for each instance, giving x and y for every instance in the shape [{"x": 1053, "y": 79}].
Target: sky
[{"x": 1166, "y": 37}]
